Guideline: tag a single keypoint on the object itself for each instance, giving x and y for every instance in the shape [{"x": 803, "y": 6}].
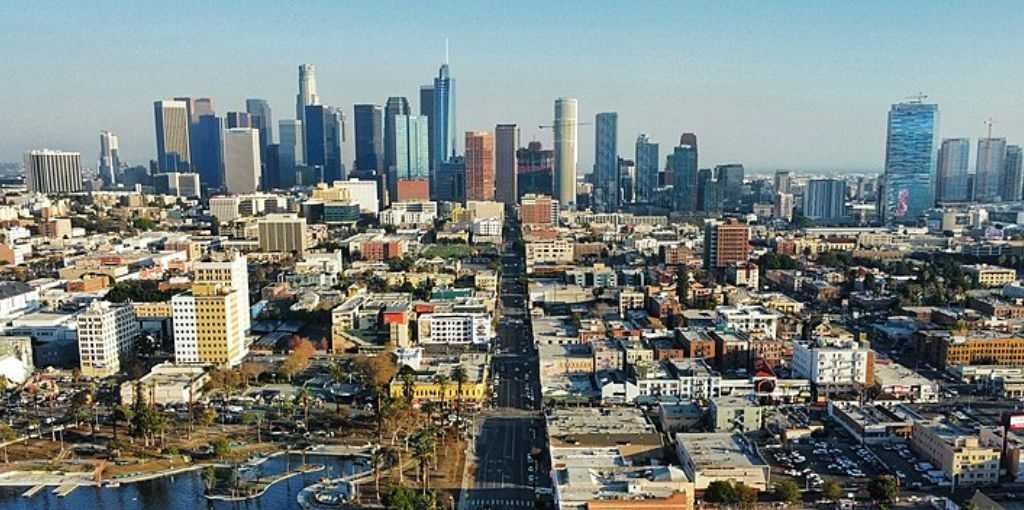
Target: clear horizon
[{"x": 793, "y": 85}]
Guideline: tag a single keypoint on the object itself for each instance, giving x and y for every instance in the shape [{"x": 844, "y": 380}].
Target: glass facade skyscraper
[
  {"x": 369, "y": 133},
  {"x": 989, "y": 169},
  {"x": 395, "y": 106},
  {"x": 683, "y": 162},
  {"x": 606, "y": 161},
  {"x": 1013, "y": 178},
  {"x": 910, "y": 159},
  {"x": 646, "y": 169},
  {"x": 411, "y": 153},
  {"x": 951, "y": 181},
  {"x": 443, "y": 143},
  {"x": 208, "y": 158},
  {"x": 825, "y": 200}
]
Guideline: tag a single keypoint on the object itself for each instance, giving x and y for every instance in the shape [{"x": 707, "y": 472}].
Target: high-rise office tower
[
  {"x": 427, "y": 110},
  {"x": 325, "y": 133},
  {"x": 211, "y": 321},
  {"x": 725, "y": 243},
  {"x": 412, "y": 155},
  {"x": 782, "y": 206},
  {"x": 242, "y": 164},
  {"x": 395, "y": 106},
  {"x": 239, "y": 120},
  {"x": 825, "y": 200},
  {"x": 450, "y": 181},
  {"x": 625, "y": 192},
  {"x": 443, "y": 118},
  {"x": 291, "y": 152},
  {"x": 683, "y": 164},
  {"x": 173, "y": 152},
  {"x": 307, "y": 90},
  {"x": 566, "y": 154},
  {"x": 208, "y": 159},
  {"x": 233, "y": 273},
  {"x": 262, "y": 119},
  {"x": 48, "y": 171},
  {"x": 201, "y": 106},
  {"x": 646, "y": 169},
  {"x": 730, "y": 184},
  {"x": 689, "y": 139},
  {"x": 106, "y": 333},
  {"x": 369, "y": 137},
  {"x": 783, "y": 181},
  {"x": 708, "y": 194},
  {"x": 479, "y": 165},
  {"x": 283, "y": 233},
  {"x": 506, "y": 145},
  {"x": 988, "y": 171},
  {"x": 1013, "y": 179},
  {"x": 535, "y": 169},
  {"x": 606, "y": 161},
  {"x": 910, "y": 155},
  {"x": 188, "y": 106},
  {"x": 951, "y": 180},
  {"x": 109, "y": 161}
]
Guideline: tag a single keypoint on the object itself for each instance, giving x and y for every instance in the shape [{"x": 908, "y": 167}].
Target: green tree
[
  {"x": 443, "y": 382},
  {"x": 721, "y": 491},
  {"x": 303, "y": 398},
  {"x": 461, "y": 377},
  {"x": 788, "y": 492},
  {"x": 682, "y": 284},
  {"x": 339, "y": 374},
  {"x": 883, "y": 489},
  {"x": 424, "y": 445},
  {"x": 7, "y": 435},
  {"x": 404, "y": 498},
  {"x": 408, "y": 385},
  {"x": 221, "y": 447},
  {"x": 746, "y": 496},
  {"x": 832, "y": 490}
]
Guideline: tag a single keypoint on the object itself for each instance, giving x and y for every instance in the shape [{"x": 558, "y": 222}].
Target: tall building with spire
[
  {"x": 566, "y": 151},
  {"x": 443, "y": 119},
  {"x": 109, "y": 161},
  {"x": 307, "y": 90}
]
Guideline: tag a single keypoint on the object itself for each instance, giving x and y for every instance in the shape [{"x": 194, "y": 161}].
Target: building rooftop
[{"x": 718, "y": 450}]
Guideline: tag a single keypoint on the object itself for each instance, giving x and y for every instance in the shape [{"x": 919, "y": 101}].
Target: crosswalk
[{"x": 496, "y": 504}]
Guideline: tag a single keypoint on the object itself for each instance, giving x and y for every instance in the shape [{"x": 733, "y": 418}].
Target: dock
[
  {"x": 65, "y": 489},
  {"x": 33, "y": 491}
]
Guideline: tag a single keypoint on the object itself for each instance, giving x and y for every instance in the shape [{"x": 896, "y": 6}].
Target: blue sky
[{"x": 785, "y": 84}]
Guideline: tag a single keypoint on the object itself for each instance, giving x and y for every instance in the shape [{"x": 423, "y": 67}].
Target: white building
[
  {"x": 49, "y": 171},
  {"x": 832, "y": 361},
  {"x": 755, "y": 320},
  {"x": 409, "y": 213},
  {"x": 743, "y": 274},
  {"x": 17, "y": 298},
  {"x": 105, "y": 332},
  {"x": 242, "y": 160},
  {"x": 225, "y": 209},
  {"x": 555, "y": 251},
  {"x": 678, "y": 380},
  {"x": 168, "y": 384},
  {"x": 233, "y": 273},
  {"x": 454, "y": 328}
]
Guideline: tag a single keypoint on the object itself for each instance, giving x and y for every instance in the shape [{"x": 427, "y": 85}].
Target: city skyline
[{"x": 779, "y": 98}]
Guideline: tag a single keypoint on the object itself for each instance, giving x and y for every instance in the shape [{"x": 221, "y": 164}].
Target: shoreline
[{"x": 83, "y": 479}]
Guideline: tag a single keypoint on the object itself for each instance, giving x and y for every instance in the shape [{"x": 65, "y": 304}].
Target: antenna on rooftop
[
  {"x": 919, "y": 98},
  {"x": 988, "y": 124},
  {"x": 446, "y": 51}
]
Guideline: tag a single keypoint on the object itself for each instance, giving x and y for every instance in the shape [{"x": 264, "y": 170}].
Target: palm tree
[
  {"x": 424, "y": 444},
  {"x": 338, "y": 374},
  {"x": 443, "y": 381},
  {"x": 7, "y": 434},
  {"x": 302, "y": 398},
  {"x": 408, "y": 386},
  {"x": 460, "y": 377},
  {"x": 380, "y": 457},
  {"x": 122, "y": 412}
]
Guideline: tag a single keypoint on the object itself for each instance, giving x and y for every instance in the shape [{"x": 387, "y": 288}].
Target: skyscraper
[
  {"x": 109, "y": 162},
  {"x": 683, "y": 163},
  {"x": 450, "y": 181},
  {"x": 625, "y": 192},
  {"x": 783, "y": 181},
  {"x": 1013, "y": 178},
  {"x": 988, "y": 171},
  {"x": 606, "y": 161},
  {"x": 730, "y": 184},
  {"x": 395, "y": 106},
  {"x": 479, "y": 165},
  {"x": 324, "y": 134},
  {"x": 209, "y": 150},
  {"x": 506, "y": 145},
  {"x": 646, "y": 169},
  {"x": 201, "y": 106},
  {"x": 910, "y": 155},
  {"x": 49, "y": 171},
  {"x": 443, "y": 118},
  {"x": 173, "y": 153},
  {"x": 369, "y": 133},
  {"x": 427, "y": 110},
  {"x": 951, "y": 181},
  {"x": 708, "y": 194},
  {"x": 412, "y": 154},
  {"x": 239, "y": 120},
  {"x": 825, "y": 200},
  {"x": 242, "y": 164},
  {"x": 566, "y": 155},
  {"x": 262, "y": 119},
  {"x": 536, "y": 167},
  {"x": 307, "y": 90},
  {"x": 291, "y": 152},
  {"x": 725, "y": 242}
]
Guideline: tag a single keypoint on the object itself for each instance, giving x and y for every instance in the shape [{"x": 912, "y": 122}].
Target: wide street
[{"x": 505, "y": 474}]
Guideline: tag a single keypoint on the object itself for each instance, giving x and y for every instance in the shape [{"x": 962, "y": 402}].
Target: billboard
[{"x": 1015, "y": 421}]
